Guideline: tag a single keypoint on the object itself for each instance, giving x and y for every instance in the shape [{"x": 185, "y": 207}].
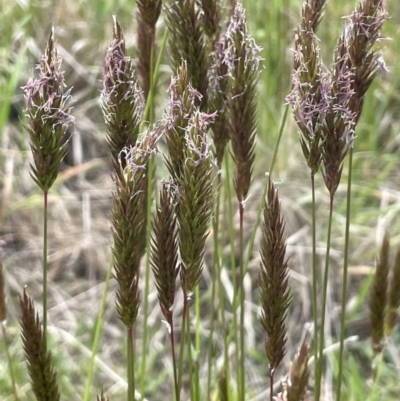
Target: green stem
[
  {"x": 319, "y": 362},
  {"x": 345, "y": 273},
  {"x": 282, "y": 125},
  {"x": 182, "y": 344},
  {"x": 131, "y": 364},
  {"x": 314, "y": 276},
  {"x": 190, "y": 361},
  {"x": 376, "y": 372},
  {"x": 147, "y": 278},
  {"x": 97, "y": 332},
  {"x": 45, "y": 201},
  {"x": 241, "y": 322},
  {"x": 10, "y": 363},
  {"x": 196, "y": 381},
  {"x": 172, "y": 337},
  {"x": 233, "y": 330}
]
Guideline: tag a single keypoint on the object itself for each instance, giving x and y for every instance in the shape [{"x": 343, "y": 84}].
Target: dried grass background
[{"x": 80, "y": 201}]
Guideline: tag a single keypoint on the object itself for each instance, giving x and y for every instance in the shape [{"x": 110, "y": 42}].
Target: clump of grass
[{"x": 41, "y": 371}]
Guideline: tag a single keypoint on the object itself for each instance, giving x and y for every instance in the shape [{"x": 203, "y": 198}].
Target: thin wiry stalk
[
  {"x": 38, "y": 358},
  {"x": 97, "y": 332},
  {"x": 48, "y": 119}
]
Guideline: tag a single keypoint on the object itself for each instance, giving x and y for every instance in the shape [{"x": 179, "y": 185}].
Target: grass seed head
[
  {"x": 121, "y": 99},
  {"x": 243, "y": 62},
  {"x": 38, "y": 358},
  {"x": 48, "y": 117},
  {"x": 274, "y": 279}
]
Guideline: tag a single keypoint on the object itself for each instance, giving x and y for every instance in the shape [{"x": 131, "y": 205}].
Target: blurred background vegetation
[{"x": 81, "y": 199}]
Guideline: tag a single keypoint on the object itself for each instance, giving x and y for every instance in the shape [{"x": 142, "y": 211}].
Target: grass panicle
[
  {"x": 242, "y": 56},
  {"x": 48, "y": 117},
  {"x": 378, "y": 297},
  {"x": 339, "y": 123},
  {"x": 187, "y": 42},
  {"x": 128, "y": 219},
  {"x": 182, "y": 105},
  {"x": 195, "y": 199},
  {"x": 165, "y": 264},
  {"x": 41, "y": 371},
  {"x": 121, "y": 99},
  {"x": 145, "y": 44},
  {"x": 274, "y": 281},
  {"x": 150, "y": 11},
  {"x": 218, "y": 90},
  {"x": 363, "y": 31},
  {"x": 295, "y": 386},
  {"x": 393, "y": 302},
  {"x": 147, "y": 14},
  {"x": 310, "y": 84},
  {"x": 211, "y": 17}
]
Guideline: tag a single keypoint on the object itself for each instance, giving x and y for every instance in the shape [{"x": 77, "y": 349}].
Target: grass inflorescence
[{"x": 199, "y": 312}]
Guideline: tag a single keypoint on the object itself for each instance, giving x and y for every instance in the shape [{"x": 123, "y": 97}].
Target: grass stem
[
  {"x": 345, "y": 274},
  {"x": 97, "y": 332},
  {"x": 45, "y": 208},
  {"x": 319, "y": 361},
  {"x": 131, "y": 364}
]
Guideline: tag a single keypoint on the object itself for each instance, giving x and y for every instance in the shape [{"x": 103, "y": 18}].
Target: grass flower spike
[
  {"x": 48, "y": 117},
  {"x": 41, "y": 371},
  {"x": 187, "y": 43},
  {"x": 243, "y": 60},
  {"x": 274, "y": 281},
  {"x": 121, "y": 99}
]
